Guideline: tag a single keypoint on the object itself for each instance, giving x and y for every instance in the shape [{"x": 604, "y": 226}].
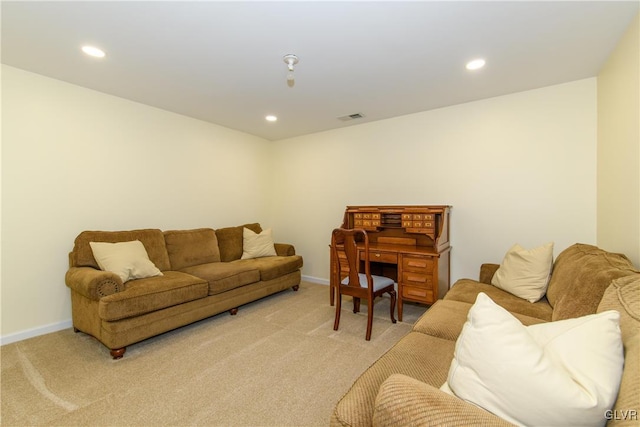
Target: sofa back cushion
[
  {"x": 230, "y": 241},
  {"x": 187, "y": 248},
  {"x": 624, "y": 296},
  {"x": 581, "y": 274},
  {"x": 152, "y": 239}
]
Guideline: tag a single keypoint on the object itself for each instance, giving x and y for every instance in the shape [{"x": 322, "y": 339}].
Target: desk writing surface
[{"x": 407, "y": 249}]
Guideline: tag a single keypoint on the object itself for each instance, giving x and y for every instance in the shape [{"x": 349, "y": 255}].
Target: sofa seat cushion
[
  {"x": 273, "y": 267},
  {"x": 467, "y": 290},
  {"x": 416, "y": 355},
  {"x": 154, "y": 293},
  {"x": 224, "y": 276},
  {"x": 446, "y": 318}
]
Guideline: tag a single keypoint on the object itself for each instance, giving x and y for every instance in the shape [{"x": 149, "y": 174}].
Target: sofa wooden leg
[
  {"x": 117, "y": 353},
  {"x": 76, "y": 330},
  {"x": 296, "y": 287},
  {"x": 234, "y": 311}
]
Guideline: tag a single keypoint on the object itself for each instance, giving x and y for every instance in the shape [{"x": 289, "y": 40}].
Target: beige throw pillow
[
  {"x": 562, "y": 373},
  {"x": 257, "y": 245},
  {"x": 525, "y": 273},
  {"x": 129, "y": 260}
]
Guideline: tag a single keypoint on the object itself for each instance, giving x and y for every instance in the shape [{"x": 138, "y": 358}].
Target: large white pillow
[
  {"x": 563, "y": 373},
  {"x": 525, "y": 273},
  {"x": 257, "y": 245},
  {"x": 129, "y": 260}
]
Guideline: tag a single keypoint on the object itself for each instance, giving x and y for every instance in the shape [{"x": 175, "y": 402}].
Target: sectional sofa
[
  {"x": 409, "y": 384},
  {"x": 181, "y": 276}
]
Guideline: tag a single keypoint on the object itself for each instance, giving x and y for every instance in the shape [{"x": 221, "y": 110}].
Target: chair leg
[
  {"x": 393, "y": 305},
  {"x": 369, "y": 317},
  {"x": 356, "y": 305},
  {"x": 336, "y": 322}
]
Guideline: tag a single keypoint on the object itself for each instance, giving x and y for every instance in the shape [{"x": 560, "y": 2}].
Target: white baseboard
[
  {"x": 34, "y": 332},
  {"x": 317, "y": 280}
]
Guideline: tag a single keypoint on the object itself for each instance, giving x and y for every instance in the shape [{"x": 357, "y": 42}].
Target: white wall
[
  {"x": 75, "y": 159},
  {"x": 619, "y": 148},
  {"x": 516, "y": 168},
  {"x": 519, "y": 168}
]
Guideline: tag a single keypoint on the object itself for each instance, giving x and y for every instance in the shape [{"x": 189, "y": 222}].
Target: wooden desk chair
[{"x": 358, "y": 285}]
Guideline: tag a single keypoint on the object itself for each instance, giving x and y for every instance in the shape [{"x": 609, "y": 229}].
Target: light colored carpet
[{"x": 278, "y": 362}]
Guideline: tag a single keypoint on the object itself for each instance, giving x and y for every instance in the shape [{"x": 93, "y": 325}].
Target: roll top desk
[{"x": 409, "y": 244}]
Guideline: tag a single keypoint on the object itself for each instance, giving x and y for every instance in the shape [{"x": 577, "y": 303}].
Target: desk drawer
[
  {"x": 377, "y": 256},
  {"x": 417, "y": 279},
  {"x": 420, "y": 264},
  {"x": 370, "y": 223},
  {"x": 417, "y": 294}
]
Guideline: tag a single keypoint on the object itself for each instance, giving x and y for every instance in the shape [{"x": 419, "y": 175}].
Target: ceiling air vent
[{"x": 351, "y": 117}]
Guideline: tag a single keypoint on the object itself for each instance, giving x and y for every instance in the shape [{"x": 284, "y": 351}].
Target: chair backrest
[{"x": 345, "y": 241}]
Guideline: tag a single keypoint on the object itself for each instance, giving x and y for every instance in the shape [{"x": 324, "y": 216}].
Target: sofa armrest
[
  {"x": 487, "y": 271},
  {"x": 402, "y": 400},
  {"x": 284, "y": 249},
  {"x": 92, "y": 283}
]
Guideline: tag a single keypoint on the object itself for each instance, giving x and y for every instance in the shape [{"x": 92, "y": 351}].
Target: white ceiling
[{"x": 222, "y": 61}]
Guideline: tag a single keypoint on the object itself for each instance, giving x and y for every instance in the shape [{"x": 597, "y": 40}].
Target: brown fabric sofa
[
  {"x": 402, "y": 387},
  {"x": 202, "y": 275}
]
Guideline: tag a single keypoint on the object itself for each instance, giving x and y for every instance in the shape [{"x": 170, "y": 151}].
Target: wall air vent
[{"x": 351, "y": 117}]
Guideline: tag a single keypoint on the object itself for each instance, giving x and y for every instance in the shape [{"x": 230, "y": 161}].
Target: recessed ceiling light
[
  {"x": 271, "y": 118},
  {"x": 475, "y": 64},
  {"x": 93, "y": 51}
]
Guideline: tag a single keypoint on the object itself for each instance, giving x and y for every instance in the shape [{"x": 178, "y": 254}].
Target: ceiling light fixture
[
  {"x": 290, "y": 60},
  {"x": 93, "y": 51},
  {"x": 476, "y": 64},
  {"x": 271, "y": 118}
]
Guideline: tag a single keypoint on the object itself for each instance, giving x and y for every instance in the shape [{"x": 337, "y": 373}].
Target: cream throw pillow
[
  {"x": 129, "y": 260},
  {"x": 562, "y": 373},
  {"x": 525, "y": 273},
  {"x": 257, "y": 245}
]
